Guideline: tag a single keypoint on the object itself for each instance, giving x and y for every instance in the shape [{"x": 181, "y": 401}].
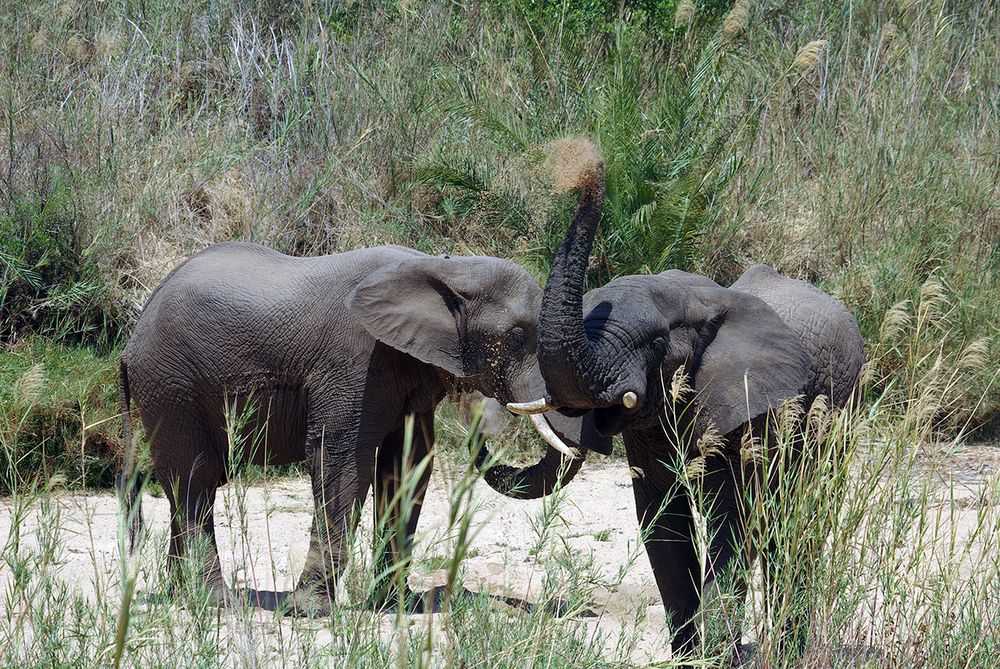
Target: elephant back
[{"x": 828, "y": 331}]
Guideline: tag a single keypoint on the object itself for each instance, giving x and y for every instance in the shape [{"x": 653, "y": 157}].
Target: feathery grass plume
[
  {"x": 975, "y": 356},
  {"x": 818, "y": 417},
  {"x": 710, "y": 442},
  {"x": 66, "y": 11},
  {"x": 933, "y": 302},
  {"x": 683, "y": 13},
  {"x": 28, "y": 387},
  {"x": 40, "y": 40},
  {"x": 78, "y": 48},
  {"x": 867, "y": 374},
  {"x": 695, "y": 467},
  {"x": 573, "y": 161},
  {"x": 788, "y": 414},
  {"x": 809, "y": 55},
  {"x": 679, "y": 386},
  {"x": 736, "y": 20},
  {"x": 751, "y": 447},
  {"x": 896, "y": 321},
  {"x": 106, "y": 43}
]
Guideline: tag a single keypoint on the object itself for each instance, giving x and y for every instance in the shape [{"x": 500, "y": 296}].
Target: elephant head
[
  {"x": 614, "y": 350},
  {"x": 474, "y": 319}
]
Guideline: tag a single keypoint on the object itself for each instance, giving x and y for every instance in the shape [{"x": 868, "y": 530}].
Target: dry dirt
[{"x": 596, "y": 518}]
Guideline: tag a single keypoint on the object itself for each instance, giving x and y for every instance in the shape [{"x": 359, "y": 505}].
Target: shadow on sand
[{"x": 430, "y": 601}]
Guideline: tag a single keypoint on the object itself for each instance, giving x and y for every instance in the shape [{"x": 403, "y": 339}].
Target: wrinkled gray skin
[
  {"x": 331, "y": 353},
  {"x": 745, "y": 349}
]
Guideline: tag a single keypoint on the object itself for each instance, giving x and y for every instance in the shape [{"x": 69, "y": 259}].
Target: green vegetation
[
  {"x": 854, "y": 144},
  {"x": 907, "y": 576},
  {"x": 58, "y": 415}
]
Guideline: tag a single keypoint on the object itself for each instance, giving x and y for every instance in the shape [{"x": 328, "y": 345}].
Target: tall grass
[
  {"x": 893, "y": 560},
  {"x": 848, "y": 144},
  {"x": 852, "y": 144}
]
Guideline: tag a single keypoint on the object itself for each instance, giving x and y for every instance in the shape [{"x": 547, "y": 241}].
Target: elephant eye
[{"x": 517, "y": 336}]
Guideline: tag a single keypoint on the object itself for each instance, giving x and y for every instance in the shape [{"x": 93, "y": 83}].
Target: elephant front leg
[
  {"x": 667, "y": 527},
  {"x": 728, "y": 498},
  {"x": 339, "y": 487},
  {"x": 401, "y": 477}
]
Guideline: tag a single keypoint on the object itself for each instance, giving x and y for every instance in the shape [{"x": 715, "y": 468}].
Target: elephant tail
[{"x": 129, "y": 480}]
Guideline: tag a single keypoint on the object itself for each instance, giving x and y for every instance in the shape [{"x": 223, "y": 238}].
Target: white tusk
[
  {"x": 529, "y": 408},
  {"x": 630, "y": 399},
  {"x": 551, "y": 438}
]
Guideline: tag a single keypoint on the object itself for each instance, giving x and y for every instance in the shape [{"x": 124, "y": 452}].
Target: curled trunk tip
[{"x": 575, "y": 162}]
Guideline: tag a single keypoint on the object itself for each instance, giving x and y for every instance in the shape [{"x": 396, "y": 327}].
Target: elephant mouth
[{"x": 611, "y": 420}]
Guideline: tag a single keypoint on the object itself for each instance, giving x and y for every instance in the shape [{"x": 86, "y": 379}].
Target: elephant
[
  {"x": 327, "y": 356},
  {"x": 744, "y": 350}
]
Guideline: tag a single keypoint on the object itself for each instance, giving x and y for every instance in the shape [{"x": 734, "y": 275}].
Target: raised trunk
[{"x": 564, "y": 352}]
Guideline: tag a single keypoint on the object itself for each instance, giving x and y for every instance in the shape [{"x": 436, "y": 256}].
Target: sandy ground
[{"x": 596, "y": 520}]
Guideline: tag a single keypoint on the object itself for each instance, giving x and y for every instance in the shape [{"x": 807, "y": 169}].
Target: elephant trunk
[
  {"x": 565, "y": 436},
  {"x": 552, "y": 470},
  {"x": 566, "y": 356}
]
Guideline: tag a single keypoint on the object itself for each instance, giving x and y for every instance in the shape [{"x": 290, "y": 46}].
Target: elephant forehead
[{"x": 621, "y": 308}]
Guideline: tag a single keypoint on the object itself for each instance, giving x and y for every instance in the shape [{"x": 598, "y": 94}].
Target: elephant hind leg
[{"x": 193, "y": 549}]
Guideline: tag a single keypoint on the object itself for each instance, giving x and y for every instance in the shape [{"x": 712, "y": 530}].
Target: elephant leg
[
  {"x": 340, "y": 479},
  {"x": 397, "y": 508},
  {"x": 668, "y": 531},
  {"x": 730, "y": 554},
  {"x": 192, "y": 525}
]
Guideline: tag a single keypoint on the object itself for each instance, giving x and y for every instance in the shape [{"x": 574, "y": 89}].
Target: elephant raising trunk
[
  {"x": 565, "y": 354},
  {"x": 581, "y": 168}
]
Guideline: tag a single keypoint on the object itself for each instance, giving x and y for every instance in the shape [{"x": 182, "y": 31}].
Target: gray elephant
[
  {"x": 331, "y": 354},
  {"x": 744, "y": 349}
]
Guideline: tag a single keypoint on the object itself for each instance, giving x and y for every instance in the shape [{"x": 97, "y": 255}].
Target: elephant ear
[
  {"x": 416, "y": 306},
  {"x": 750, "y": 362}
]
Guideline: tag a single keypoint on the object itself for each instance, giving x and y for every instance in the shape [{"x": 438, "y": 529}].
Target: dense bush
[
  {"x": 58, "y": 416},
  {"x": 50, "y": 281}
]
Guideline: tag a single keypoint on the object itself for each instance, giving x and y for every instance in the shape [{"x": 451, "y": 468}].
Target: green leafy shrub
[
  {"x": 58, "y": 415},
  {"x": 666, "y": 164},
  {"x": 50, "y": 281}
]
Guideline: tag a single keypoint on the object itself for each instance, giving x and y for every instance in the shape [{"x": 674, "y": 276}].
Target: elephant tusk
[
  {"x": 630, "y": 399},
  {"x": 530, "y": 408},
  {"x": 551, "y": 438}
]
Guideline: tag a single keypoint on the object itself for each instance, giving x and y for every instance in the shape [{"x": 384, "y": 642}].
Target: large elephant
[
  {"x": 330, "y": 354},
  {"x": 744, "y": 350}
]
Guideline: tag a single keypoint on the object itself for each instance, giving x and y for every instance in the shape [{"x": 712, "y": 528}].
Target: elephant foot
[
  {"x": 410, "y": 601},
  {"x": 306, "y": 603}
]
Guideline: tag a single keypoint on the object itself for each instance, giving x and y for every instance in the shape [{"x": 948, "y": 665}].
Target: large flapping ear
[
  {"x": 750, "y": 362},
  {"x": 416, "y": 306}
]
